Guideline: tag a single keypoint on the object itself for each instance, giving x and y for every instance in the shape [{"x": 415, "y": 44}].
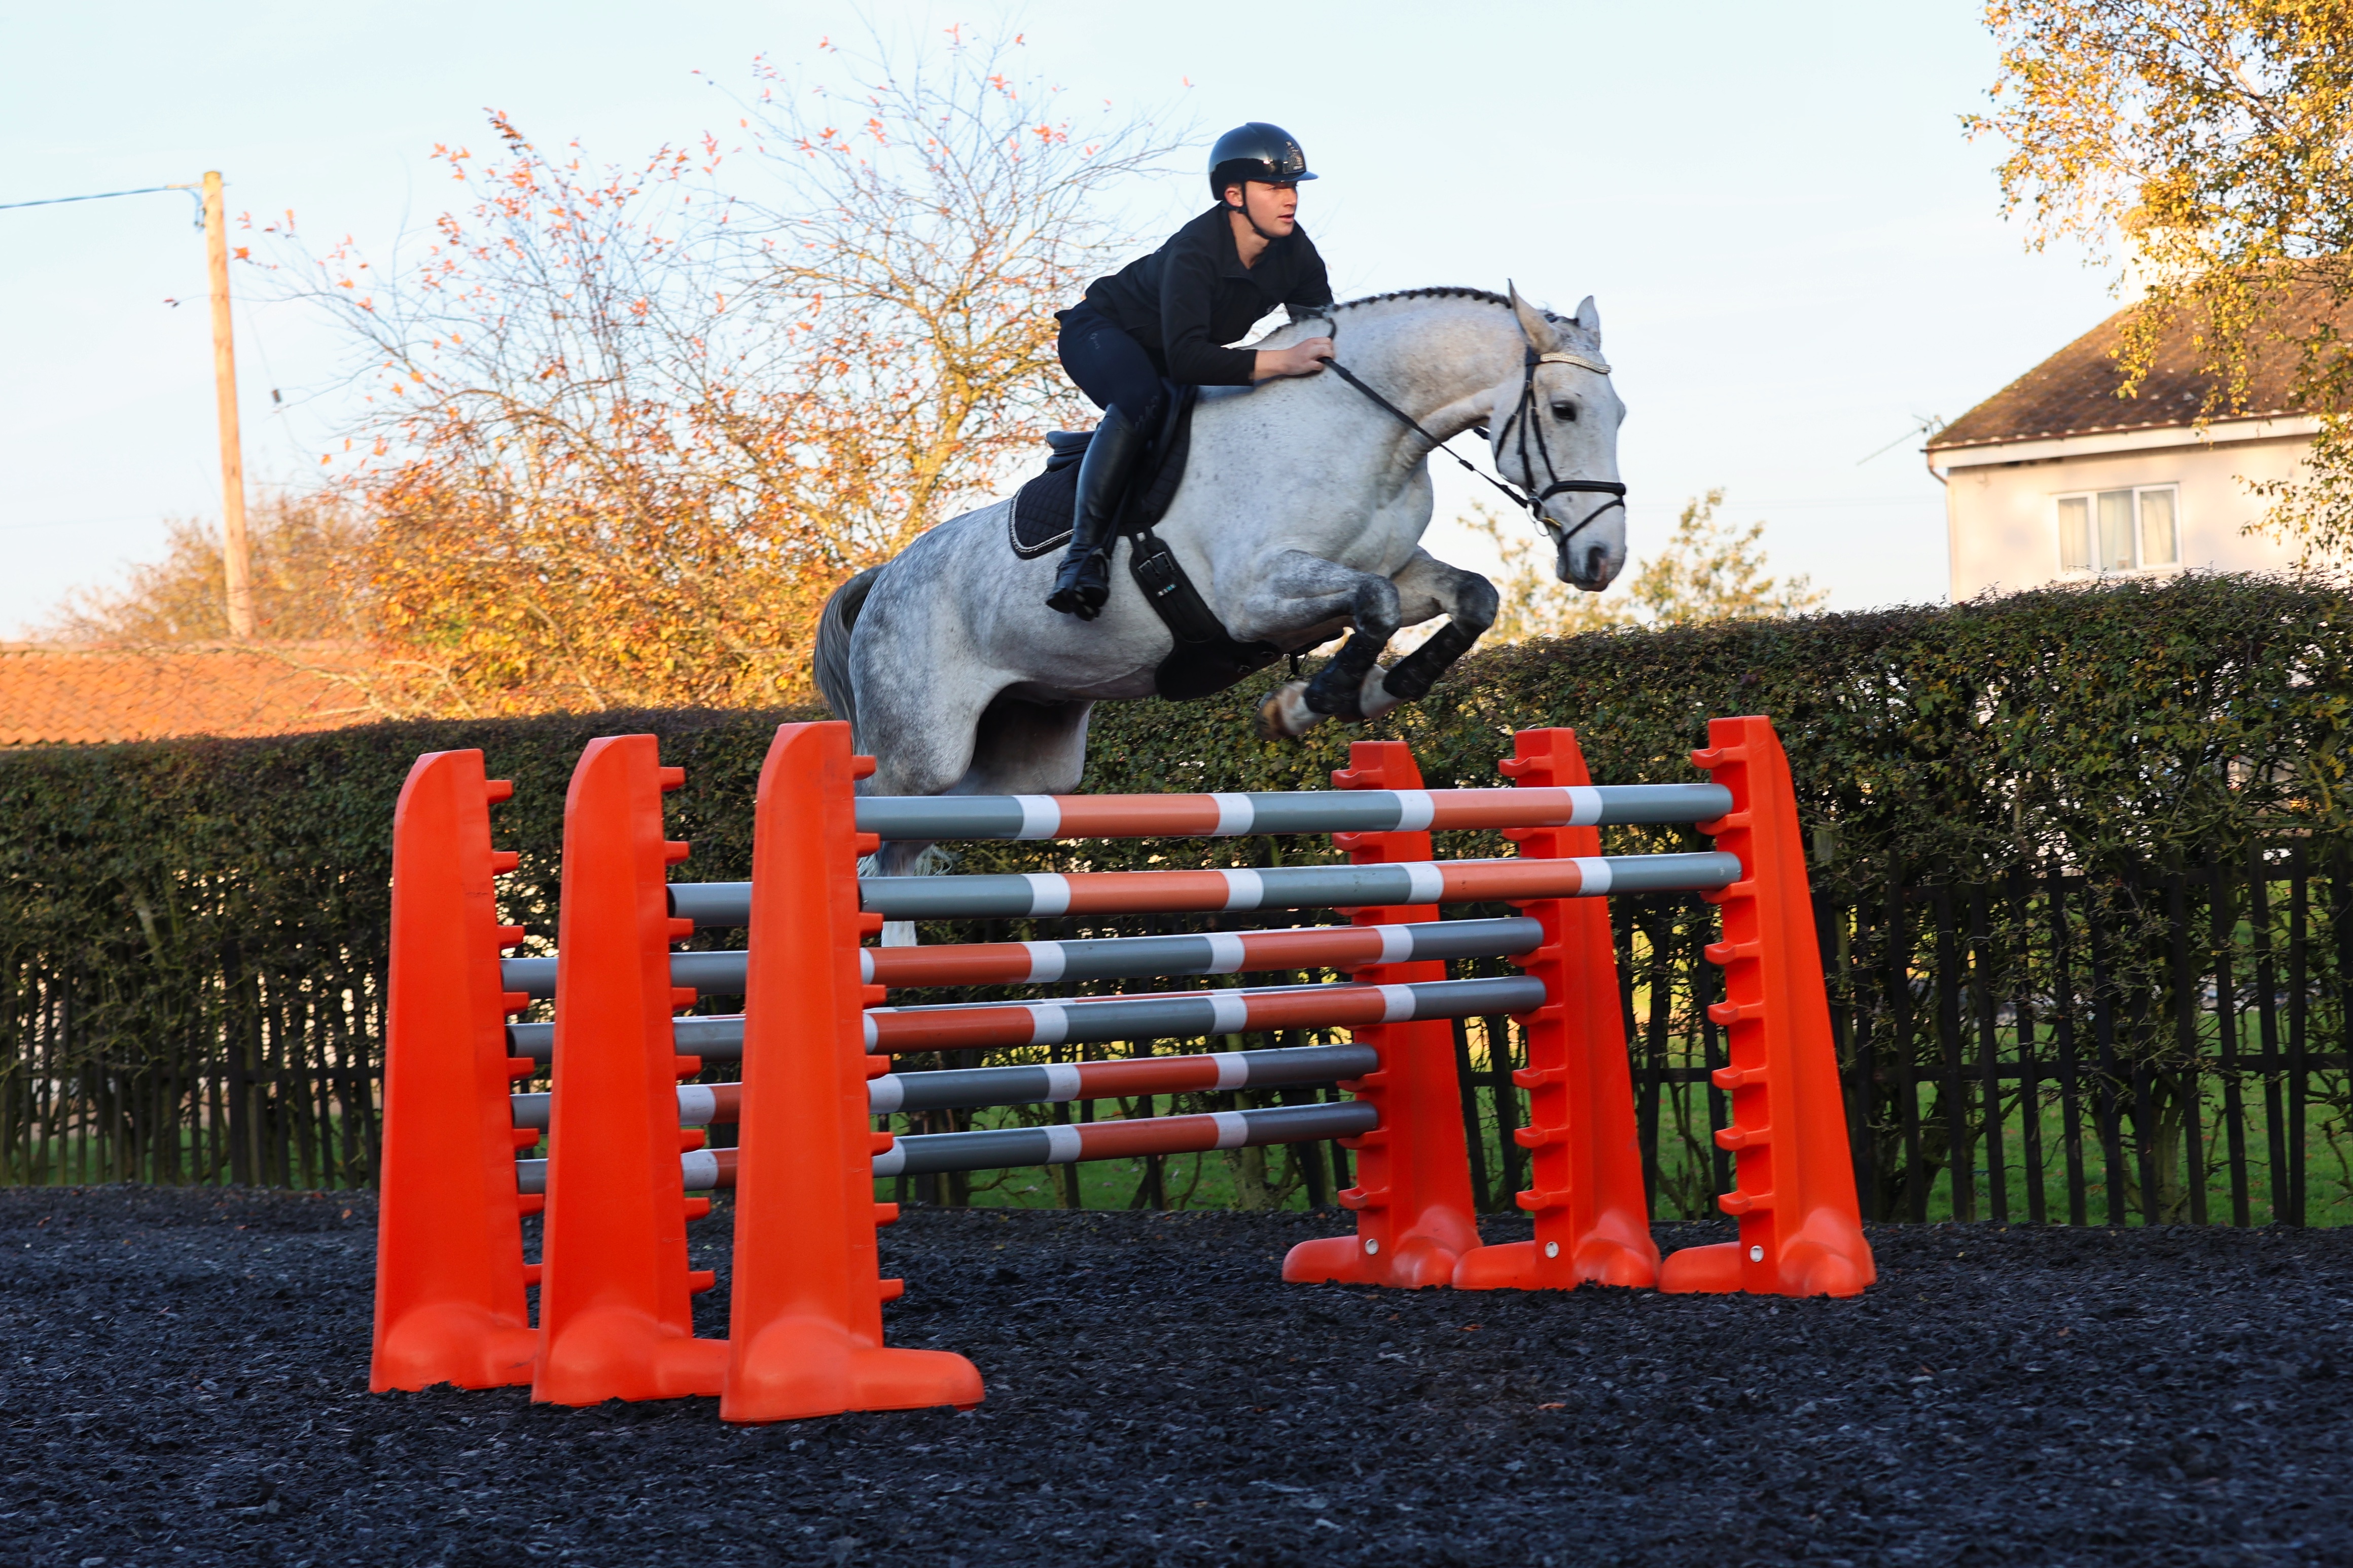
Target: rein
[{"x": 1521, "y": 416}]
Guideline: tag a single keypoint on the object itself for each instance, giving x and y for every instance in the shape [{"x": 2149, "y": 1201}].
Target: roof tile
[
  {"x": 88, "y": 694},
  {"x": 2073, "y": 393}
]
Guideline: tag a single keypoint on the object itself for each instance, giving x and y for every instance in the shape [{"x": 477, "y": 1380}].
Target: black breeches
[{"x": 1112, "y": 368}]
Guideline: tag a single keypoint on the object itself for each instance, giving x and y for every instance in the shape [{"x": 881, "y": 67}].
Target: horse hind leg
[
  {"x": 902, "y": 858},
  {"x": 1028, "y": 748},
  {"x": 1018, "y": 748},
  {"x": 921, "y": 735}
]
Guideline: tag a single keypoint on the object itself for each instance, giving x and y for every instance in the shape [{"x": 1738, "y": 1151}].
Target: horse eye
[{"x": 1565, "y": 411}]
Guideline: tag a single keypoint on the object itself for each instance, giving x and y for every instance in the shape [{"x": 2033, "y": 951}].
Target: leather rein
[{"x": 1524, "y": 417}]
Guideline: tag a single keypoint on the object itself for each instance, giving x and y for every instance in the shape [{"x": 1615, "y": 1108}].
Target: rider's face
[{"x": 1273, "y": 208}]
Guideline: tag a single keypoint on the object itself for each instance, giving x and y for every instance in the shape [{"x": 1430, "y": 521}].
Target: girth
[{"x": 1207, "y": 657}]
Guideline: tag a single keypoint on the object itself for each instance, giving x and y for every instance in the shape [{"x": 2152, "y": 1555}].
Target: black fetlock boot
[{"x": 1083, "y": 581}]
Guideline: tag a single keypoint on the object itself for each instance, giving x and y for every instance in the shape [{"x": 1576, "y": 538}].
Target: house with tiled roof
[
  {"x": 2056, "y": 479},
  {"x": 54, "y": 694}
]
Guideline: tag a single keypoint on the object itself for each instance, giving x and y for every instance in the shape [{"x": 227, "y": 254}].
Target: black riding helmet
[{"x": 1258, "y": 151}]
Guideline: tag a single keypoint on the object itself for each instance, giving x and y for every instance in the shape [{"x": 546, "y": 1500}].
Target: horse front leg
[
  {"x": 1303, "y": 592},
  {"x": 1468, "y": 601}
]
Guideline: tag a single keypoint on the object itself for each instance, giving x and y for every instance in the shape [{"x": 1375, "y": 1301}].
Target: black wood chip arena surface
[{"x": 186, "y": 1376}]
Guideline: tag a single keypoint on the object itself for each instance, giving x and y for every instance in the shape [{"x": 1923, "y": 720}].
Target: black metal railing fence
[{"x": 2143, "y": 1045}]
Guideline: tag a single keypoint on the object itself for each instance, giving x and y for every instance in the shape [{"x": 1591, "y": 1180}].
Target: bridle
[{"x": 1524, "y": 417}]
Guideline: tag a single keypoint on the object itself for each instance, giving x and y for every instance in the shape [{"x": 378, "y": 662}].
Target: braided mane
[
  {"x": 1447, "y": 291},
  {"x": 1441, "y": 291}
]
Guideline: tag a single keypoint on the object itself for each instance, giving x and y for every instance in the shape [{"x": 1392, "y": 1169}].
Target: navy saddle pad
[{"x": 1043, "y": 508}]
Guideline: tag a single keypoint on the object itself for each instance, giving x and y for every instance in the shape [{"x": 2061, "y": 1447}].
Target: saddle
[
  {"x": 1043, "y": 509},
  {"x": 1206, "y": 658}
]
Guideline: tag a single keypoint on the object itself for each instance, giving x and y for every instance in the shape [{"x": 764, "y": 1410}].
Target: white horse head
[{"x": 1554, "y": 432}]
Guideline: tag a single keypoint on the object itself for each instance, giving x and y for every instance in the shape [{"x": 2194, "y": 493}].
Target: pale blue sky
[{"x": 1793, "y": 249}]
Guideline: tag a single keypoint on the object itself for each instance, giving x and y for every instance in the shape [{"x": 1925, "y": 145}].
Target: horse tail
[{"x": 831, "y": 665}]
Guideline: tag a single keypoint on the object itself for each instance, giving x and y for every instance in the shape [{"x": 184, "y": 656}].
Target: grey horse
[{"x": 1300, "y": 515}]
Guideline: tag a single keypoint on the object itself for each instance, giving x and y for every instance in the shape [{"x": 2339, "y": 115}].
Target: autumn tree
[
  {"x": 2211, "y": 140},
  {"x": 625, "y": 428},
  {"x": 1707, "y": 571},
  {"x": 303, "y": 549},
  {"x": 917, "y": 235}
]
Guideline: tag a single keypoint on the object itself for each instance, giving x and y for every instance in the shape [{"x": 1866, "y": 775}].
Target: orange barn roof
[{"x": 93, "y": 693}]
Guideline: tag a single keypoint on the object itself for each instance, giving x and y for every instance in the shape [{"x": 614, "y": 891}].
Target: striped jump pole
[
  {"x": 1184, "y": 1015},
  {"x": 999, "y": 1148},
  {"x": 1305, "y": 811},
  {"x": 956, "y": 1088},
  {"x": 1108, "y": 958},
  {"x": 1210, "y": 953},
  {"x": 1415, "y": 883},
  {"x": 959, "y": 1089},
  {"x": 1005, "y": 1148},
  {"x": 715, "y": 973},
  {"x": 719, "y": 1036},
  {"x": 1095, "y": 1020}
]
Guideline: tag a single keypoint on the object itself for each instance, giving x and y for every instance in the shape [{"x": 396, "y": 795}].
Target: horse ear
[
  {"x": 1540, "y": 333},
  {"x": 1590, "y": 317}
]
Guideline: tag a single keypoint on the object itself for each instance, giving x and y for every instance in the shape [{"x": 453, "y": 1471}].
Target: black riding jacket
[{"x": 1191, "y": 296}]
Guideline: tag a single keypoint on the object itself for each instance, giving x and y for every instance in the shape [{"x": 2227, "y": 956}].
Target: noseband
[{"x": 1524, "y": 415}]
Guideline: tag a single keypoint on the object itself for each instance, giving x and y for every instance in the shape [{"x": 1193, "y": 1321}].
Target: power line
[{"x": 108, "y": 196}]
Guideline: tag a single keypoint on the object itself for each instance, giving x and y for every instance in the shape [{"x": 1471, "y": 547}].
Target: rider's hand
[{"x": 1303, "y": 358}]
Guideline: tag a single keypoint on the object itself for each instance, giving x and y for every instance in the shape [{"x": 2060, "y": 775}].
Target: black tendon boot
[{"x": 1083, "y": 583}]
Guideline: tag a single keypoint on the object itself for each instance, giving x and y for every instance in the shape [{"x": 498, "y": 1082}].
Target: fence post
[
  {"x": 1960, "y": 1156},
  {"x": 1484, "y": 1194},
  {"x": 1989, "y": 1056},
  {"x": 2030, "y": 1070},
  {"x": 2104, "y": 1028},
  {"x": 2185, "y": 1034},
  {"x": 2298, "y": 1011}
]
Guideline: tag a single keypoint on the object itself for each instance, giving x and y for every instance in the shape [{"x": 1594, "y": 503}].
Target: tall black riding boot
[{"x": 1083, "y": 583}]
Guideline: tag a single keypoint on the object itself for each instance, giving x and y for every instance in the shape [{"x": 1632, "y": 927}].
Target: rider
[{"x": 1165, "y": 317}]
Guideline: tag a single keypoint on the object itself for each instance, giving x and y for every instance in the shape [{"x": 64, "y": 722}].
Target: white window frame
[{"x": 2060, "y": 525}]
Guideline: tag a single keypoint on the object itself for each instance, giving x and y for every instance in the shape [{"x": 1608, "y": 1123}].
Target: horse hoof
[
  {"x": 1284, "y": 715},
  {"x": 1373, "y": 698}
]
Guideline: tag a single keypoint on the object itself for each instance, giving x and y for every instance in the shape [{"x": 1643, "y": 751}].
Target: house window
[{"x": 2120, "y": 531}]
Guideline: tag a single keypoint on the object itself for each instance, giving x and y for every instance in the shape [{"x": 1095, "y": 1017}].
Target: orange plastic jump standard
[
  {"x": 616, "y": 1304},
  {"x": 1592, "y": 1216},
  {"x": 450, "y": 1275},
  {"x": 1415, "y": 1213},
  {"x": 807, "y": 1324},
  {"x": 1800, "y": 1230}
]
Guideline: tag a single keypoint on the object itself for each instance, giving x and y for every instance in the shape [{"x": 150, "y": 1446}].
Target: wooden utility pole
[{"x": 237, "y": 552}]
